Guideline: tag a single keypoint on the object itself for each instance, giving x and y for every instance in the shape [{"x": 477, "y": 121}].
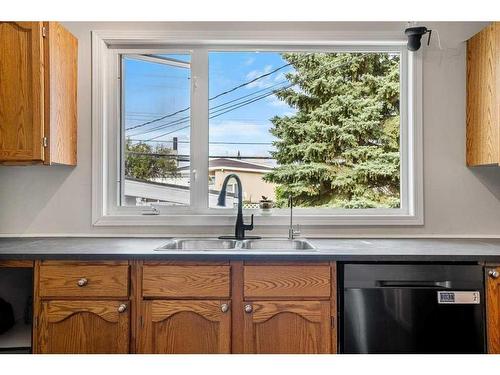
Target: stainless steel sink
[
  {"x": 205, "y": 244},
  {"x": 214, "y": 244},
  {"x": 278, "y": 244}
]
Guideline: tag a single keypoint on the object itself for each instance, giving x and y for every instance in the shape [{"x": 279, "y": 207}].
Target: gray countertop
[{"x": 81, "y": 248}]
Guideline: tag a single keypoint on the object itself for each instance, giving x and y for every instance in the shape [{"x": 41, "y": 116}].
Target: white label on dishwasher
[{"x": 458, "y": 297}]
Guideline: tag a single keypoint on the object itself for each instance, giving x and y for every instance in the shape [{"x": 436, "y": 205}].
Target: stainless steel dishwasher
[{"x": 412, "y": 308}]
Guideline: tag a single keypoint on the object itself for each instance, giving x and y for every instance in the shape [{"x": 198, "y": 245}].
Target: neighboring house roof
[
  {"x": 234, "y": 164},
  {"x": 167, "y": 192}
]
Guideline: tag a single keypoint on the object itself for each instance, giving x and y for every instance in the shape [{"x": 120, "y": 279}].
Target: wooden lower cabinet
[
  {"x": 493, "y": 309},
  {"x": 183, "y": 327},
  {"x": 84, "y": 327},
  {"x": 175, "y": 307},
  {"x": 287, "y": 327}
]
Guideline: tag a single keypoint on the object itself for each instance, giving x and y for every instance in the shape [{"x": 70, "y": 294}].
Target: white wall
[{"x": 38, "y": 200}]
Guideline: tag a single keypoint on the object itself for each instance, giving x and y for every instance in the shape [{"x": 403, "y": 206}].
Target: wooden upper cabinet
[
  {"x": 287, "y": 327},
  {"x": 493, "y": 309},
  {"x": 21, "y": 91},
  {"x": 84, "y": 327},
  {"x": 483, "y": 97},
  {"x": 38, "y": 91},
  {"x": 186, "y": 327}
]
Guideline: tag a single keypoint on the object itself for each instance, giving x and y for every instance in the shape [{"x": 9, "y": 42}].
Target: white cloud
[
  {"x": 262, "y": 82},
  {"x": 237, "y": 131},
  {"x": 279, "y": 77},
  {"x": 249, "y": 61},
  {"x": 240, "y": 131}
]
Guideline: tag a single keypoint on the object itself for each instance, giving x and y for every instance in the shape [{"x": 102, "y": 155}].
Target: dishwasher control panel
[{"x": 459, "y": 298}]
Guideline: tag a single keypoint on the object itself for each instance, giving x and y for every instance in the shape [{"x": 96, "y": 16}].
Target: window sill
[{"x": 396, "y": 219}]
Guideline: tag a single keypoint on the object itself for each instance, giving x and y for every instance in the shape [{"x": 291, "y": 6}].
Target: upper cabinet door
[
  {"x": 287, "y": 327},
  {"x": 493, "y": 309},
  {"x": 186, "y": 327},
  {"x": 21, "y": 91},
  {"x": 84, "y": 327},
  {"x": 483, "y": 95}
]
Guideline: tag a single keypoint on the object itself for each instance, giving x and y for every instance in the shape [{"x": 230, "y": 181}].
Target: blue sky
[{"x": 155, "y": 90}]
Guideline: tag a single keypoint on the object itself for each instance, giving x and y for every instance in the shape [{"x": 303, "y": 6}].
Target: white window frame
[{"x": 107, "y": 46}]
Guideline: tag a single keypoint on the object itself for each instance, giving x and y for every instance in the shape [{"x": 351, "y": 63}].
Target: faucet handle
[
  {"x": 249, "y": 226},
  {"x": 293, "y": 232}
]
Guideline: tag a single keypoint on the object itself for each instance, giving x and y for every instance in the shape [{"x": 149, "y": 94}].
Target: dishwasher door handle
[{"x": 413, "y": 284}]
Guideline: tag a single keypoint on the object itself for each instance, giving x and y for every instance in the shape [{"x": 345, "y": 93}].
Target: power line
[
  {"x": 251, "y": 81},
  {"x": 186, "y": 157},
  {"x": 212, "y": 143},
  {"x": 185, "y": 119},
  {"x": 157, "y": 119},
  {"x": 229, "y": 110},
  {"x": 181, "y": 120},
  {"x": 212, "y": 98},
  {"x": 253, "y": 93}
]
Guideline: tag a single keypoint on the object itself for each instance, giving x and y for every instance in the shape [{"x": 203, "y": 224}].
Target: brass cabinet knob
[
  {"x": 248, "y": 309},
  {"x": 224, "y": 307},
  {"x": 493, "y": 274},
  {"x": 122, "y": 308},
  {"x": 82, "y": 282}
]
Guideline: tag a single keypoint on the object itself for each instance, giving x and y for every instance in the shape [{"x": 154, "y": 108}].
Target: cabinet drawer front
[
  {"x": 83, "y": 281},
  {"x": 287, "y": 281},
  {"x": 186, "y": 281}
]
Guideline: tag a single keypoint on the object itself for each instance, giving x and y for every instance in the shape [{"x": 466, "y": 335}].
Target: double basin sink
[{"x": 258, "y": 245}]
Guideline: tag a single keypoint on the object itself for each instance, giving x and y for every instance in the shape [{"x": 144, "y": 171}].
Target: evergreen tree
[
  {"x": 341, "y": 147},
  {"x": 141, "y": 164}
]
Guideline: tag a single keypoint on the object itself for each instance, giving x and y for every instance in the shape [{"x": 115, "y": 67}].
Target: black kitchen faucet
[{"x": 240, "y": 227}]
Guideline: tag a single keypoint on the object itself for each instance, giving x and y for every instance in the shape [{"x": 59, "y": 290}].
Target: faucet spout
[{"x": 240, "y": 226}]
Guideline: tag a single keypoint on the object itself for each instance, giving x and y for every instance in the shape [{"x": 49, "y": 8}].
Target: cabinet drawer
[
  {"x": 186, "y": 281},
  {"x": 287, "y": 281},
  {"x": 83, "y": 280}
]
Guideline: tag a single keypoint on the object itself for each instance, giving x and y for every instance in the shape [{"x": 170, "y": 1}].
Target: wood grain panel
[
  {"x": 288, "y": 327},
  {"x": 186, "y": 327},
  {"x": 483, "y": 89},
  {"x": 102, "y": 281},
  {"x": 61, "y": 90},
  {"x": 287, "y": 281},
  {"x": 237, "y": 310},
  {"x": 86, "y": 327},
  {"x": 493, "y": 312},
  {"x": 21, "y": 91},
  {"x": 186, "y": 281},
  {"x": 135, "y": 308},
  {"x": 74, "y": 263}
]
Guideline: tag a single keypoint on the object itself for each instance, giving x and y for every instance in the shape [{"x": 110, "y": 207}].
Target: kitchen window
[{"x": 334, "y": 125}]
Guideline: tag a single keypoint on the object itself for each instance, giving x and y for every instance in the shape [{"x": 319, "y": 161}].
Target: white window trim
[{"x": 105, "y": 110}]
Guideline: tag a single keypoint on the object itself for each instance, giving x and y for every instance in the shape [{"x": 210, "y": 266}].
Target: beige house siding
[{"x": 254, "y": 187}]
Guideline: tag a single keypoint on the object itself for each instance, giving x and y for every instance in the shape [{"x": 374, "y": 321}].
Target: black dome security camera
[{"x": 414, "y": 35}]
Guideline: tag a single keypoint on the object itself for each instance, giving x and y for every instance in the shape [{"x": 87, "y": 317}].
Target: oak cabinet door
[
  {"x": 185, "y": 327},
  {"x": 86, "y": 327},
  {"x": 21, "y": 91},
  {"x": 493, "y": 309},
  {"x": 287, "y": 327}
]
